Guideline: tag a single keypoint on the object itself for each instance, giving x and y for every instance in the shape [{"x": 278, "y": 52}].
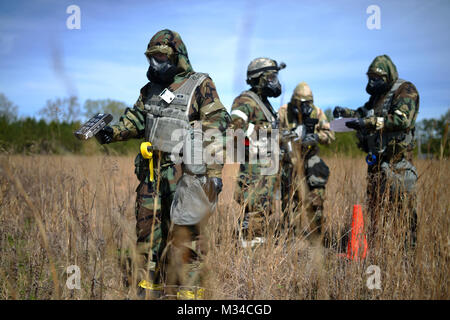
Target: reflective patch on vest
[{"x": 167, "y": 95}]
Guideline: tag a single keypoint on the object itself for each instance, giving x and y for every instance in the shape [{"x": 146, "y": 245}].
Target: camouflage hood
[
  {"x": 384, "y": 67},
  {"x": 302, "y": 92},
  {"x": 169, "y": 42}
]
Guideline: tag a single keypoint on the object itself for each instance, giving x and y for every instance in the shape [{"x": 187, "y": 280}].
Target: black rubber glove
[
  {"x": 338, "y": 112},
  {"x": 217, "y": 184},
  {"x": 357, "y": 124},
  {"x": 105, "y": 135}
]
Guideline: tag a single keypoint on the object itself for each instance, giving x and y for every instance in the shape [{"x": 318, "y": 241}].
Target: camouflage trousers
[
  {"x": 175, "y": 250},
  {"x": 152, "y": 210},
  {"x": 184, "y": 268},
  {"x": 258, "y": 193},
  {"x": 391, "y": 189},
  {"x": 304, "y": 186}
]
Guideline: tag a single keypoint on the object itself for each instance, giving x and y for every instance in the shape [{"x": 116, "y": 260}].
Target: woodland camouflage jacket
[
  {"x": 403, "y": 110},
  {"x": 248, "y": 116},
  {"x": 322, "y": 129},
  {"x": 205, "y": 105}
]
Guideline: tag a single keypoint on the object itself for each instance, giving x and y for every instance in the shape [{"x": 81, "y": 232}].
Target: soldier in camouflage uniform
[
  {"x": 251, "y": 111},
  {"x": 169, "y": 69},
  {"x": 385, "y": 129},
  {"x": 301, "y": 158}
]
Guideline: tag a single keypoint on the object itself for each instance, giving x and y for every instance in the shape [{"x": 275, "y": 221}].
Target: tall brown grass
[{"x": 57, "y": 211}]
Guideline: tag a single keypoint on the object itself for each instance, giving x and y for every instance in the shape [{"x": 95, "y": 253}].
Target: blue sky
[{"x": 326, "y": 44}]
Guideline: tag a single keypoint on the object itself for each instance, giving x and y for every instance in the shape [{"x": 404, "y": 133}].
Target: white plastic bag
[
  {"x": 338, "y": 125},
  {"x": 191, "y": 204}
]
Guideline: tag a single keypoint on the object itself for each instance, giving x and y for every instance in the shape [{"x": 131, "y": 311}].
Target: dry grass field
[{"x": 57, "y": 211}]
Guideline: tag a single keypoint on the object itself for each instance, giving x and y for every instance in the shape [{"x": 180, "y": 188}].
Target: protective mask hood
[
  {"x": 271, "y": 87},
  {"x": 377, "y": 86},
  {"x": 161, "y": 72},
  {"x": 169, "y": 42}
]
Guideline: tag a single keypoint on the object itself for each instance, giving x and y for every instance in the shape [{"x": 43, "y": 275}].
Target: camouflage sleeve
[
  {"x": 323, "y": 130},
  {"x": 132, "y": 123},
  {"x": 213, "y": 115},
  {"x": 405, "y": 107},
  {"x": 350, "y": 113}
]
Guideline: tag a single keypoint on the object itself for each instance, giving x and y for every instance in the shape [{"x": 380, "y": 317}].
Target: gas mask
[
  {"x": 306, "y": 108},
  {"x": 295, "y": 109},
  {"x": 161, "y": 72},
  {"x": 376, "y": 86},
  {"x": 270, "y": 85}
]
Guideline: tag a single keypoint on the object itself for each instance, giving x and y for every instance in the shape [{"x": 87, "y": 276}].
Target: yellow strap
[
  {"x": 147, "y": 154},
  {"x": 190, "y": 295},
  {"x": 151, "y": 286}
]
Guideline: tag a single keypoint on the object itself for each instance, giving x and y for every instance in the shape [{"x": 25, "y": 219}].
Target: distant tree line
[
  {"x": 52, "y": 131},
  {"x": 433, "y": 136}
]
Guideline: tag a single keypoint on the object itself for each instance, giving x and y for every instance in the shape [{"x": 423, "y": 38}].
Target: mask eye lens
[
  {"x": 272, "y": 77},
  {"x": 160, "y": 57}
]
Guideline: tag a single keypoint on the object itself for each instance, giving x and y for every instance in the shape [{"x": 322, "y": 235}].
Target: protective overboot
[
  {"x": 184, "y": 268},
  {"x": 149, "y": 285}
]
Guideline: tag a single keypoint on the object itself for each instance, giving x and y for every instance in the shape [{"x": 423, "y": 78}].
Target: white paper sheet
[{"x": 338, "y": 125}]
